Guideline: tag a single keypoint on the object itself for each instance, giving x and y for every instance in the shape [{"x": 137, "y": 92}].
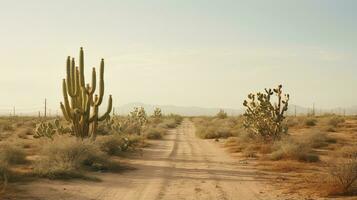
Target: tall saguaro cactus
[{"x": 82, "y": 110}]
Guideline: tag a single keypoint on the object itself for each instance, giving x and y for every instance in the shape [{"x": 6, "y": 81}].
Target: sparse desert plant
[
  {"x": 334, "y": 121},
  {"x": 157, "y": 113},
  {"x": 317, "y": 139},
  {"x": 342, "y": 177},
  {"x": 262, "y": 117},
  {"x": 12, "y": 154},
  {"x": 289, "y": 149},
  {"x": 310, "y": 121},
  {"x": 154, "y": 133},
  {"x": 221, "y": 114},
  {"x": 67, "y": 157},
  {"x": 83, "y": 99}
]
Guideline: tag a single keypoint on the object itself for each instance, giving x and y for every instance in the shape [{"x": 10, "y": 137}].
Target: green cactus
[
  {"x": 157, "y": 113},
  {"x": 264, "y": 119},
  {"x": 49, "y": 129},
  {"x": 45, "y": 129},
  {"x": 82, "y": 110},
  {"x": 138, "y": 115}
]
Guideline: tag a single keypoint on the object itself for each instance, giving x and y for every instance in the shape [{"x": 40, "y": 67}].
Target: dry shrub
[
  {"x": 24, "y": 133},
  {"x": 291, "y": 122},
  {"x": 116, "y": 144},
  {"x": 154, "y": 133},
  {"x": 211, "y": 132},
  {"x": 335, "y": 121},
  {"x": 9, "y": 154},
  {"x": 342, "y": 179},
  {"x": 288, "y": 149},
  {"x": 168, "y": 123},
  {"x": 12, "y": 154},
  {"x": 247, "y": 144},
  {"x": 67, "y": 157},
  {"x": 310, "y": 122},
  {"x": 6, "y": 126},
  {"x": 317, "y": 139}
]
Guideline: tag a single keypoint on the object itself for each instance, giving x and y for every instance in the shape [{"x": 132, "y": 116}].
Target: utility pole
[
  {"x": 113, "y": 111},
  {"x": 313, "y": 109},
  {"x": 295, "y": 110},
  {"x": 45, "y": 107},
  {"x": 13, "y": 111}
]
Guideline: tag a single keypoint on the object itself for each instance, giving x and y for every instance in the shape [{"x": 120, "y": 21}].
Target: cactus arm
[
  {"x": 109, "y": 109},
  {"x": 65, "y": 114},
  {"x": 81, "y": 67},
  {"x": 65, "y": 98},
  {"x": 101, "y": 84}
]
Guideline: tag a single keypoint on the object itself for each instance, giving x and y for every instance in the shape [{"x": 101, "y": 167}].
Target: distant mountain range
[
  {"x": 201, "y": 111},
  {"x": 181, "y": 110}
]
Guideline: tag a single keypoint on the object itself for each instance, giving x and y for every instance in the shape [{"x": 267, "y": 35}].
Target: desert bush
[
  {"x": 157, "y": 113},
  {"x": 212, "y": 132},
  {"x": 334, "y": 121},
  {"x": 262, "y": 117},
  {"x": 177, "y": 118},
  {"x": 221, "y": 114},
  {"x": 12, "y": 154},
  {"x": 291, "y": 122},
  {"x": 342, "y": 177},
  {"x": 116, "y": 144},
  {"x": 154, "y": 133},
  {"x": 6, "y": 126},
  {"x": 317, "y": 139},
  {"x": 310, "y": 121},
  {"x": 292, "y": 150},
  {"x": 67, "y": 157}
]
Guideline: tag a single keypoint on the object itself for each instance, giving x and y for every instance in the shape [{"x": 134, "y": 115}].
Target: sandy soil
[{"x": 180, "y": 166}]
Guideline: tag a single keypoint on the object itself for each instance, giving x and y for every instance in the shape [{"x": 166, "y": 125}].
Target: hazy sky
[{"x": 190, "y": 53}]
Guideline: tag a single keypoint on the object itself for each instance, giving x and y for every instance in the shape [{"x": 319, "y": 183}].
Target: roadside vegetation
[
  {"x": 319, "y": 150},
  {"x": 83, "y": 140}
]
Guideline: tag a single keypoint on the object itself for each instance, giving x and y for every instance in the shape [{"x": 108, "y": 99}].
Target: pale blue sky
[{"x": 190, "y": 53}]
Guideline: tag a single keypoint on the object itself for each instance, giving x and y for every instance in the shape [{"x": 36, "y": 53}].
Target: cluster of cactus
[
  {"x": 221, "y": 114},
  {"x": 264, "y": 119},
  {"x": 157, "y": 113},
  {"x": 138, "y": 115},
  {"x": 49, "y": 129},
  {"x": 83, "y": 109}
]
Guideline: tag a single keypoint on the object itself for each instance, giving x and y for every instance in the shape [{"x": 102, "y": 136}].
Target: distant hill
[{"x": 181, "y": 110}]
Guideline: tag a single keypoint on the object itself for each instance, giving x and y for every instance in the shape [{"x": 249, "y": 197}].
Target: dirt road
[{"x": 180, "y": 166}]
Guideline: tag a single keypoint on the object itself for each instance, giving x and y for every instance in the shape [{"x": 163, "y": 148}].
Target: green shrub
[{"x": 264, "y": 118}]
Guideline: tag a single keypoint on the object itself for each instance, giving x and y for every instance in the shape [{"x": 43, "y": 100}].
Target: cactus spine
[{"x": 82, "y": 110}]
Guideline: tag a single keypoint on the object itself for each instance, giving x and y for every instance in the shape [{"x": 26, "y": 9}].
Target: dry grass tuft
[
  {"x": 288, "y": 149},
  {"x": 67, "y": 157}
]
